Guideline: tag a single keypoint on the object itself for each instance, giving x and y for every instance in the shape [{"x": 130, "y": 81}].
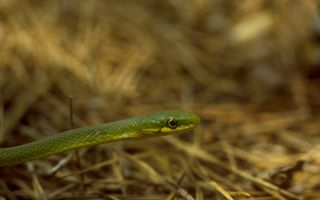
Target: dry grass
[{"x": 249, "y": 68}]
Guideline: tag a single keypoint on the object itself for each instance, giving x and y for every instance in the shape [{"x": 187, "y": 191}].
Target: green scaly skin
[{"x": 155, "y": 124}]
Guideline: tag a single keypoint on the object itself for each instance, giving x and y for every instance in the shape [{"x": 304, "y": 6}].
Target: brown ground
[{"x": 250, "y": 69}]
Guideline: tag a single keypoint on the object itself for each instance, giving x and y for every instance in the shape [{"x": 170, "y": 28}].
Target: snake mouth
[
  {"x": 166, "y": 130},
  {"x": 184, "y": 128}
]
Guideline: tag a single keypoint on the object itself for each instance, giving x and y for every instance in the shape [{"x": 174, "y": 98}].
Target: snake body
[{"x": 155, "y": 124}]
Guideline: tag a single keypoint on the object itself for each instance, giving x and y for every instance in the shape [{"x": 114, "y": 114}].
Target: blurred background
[{"x": 250, "y": 69}]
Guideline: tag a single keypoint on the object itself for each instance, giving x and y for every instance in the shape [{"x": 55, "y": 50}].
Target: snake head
[{"x": 169, "y": 122}]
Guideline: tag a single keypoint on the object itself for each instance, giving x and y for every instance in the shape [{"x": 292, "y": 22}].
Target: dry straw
[{"x": 250, "y": 69}]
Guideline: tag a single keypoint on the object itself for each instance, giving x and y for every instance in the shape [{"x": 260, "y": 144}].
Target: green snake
[{"x": 154, "y": 124}]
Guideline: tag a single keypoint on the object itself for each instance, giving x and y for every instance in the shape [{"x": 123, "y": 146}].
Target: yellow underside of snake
[{"x": 154, "y": 124}]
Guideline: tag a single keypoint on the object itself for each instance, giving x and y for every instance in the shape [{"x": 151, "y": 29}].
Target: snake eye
[{"x": 172, "y": 123}]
